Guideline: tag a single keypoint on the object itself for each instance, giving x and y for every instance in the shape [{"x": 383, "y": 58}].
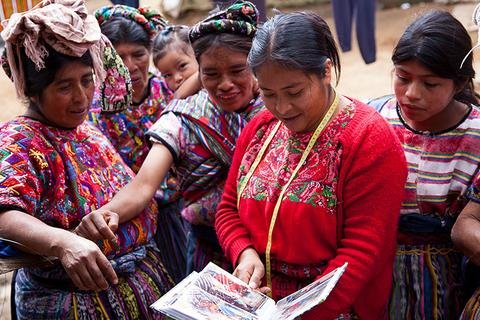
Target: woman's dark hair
[
  {"x": 298, "y": 40},
  {"x": 230, "y": 41},
  {"x": 172, "y": 37},
  {"x": 440, "y": 43},
  {"x": 36, "y": 81},
  {"x": 123, "y": 30}
]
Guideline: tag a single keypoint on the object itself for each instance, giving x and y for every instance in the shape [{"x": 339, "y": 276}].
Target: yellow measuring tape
[{"x": 313, "y": 139}]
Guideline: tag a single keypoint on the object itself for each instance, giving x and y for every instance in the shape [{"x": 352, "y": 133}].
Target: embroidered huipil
[
  {"x": 341, "y": 207},
  {"x": 59, "y": 176}
]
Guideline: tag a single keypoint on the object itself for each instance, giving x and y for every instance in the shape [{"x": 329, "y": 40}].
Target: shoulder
[
  {"x": 367, "y": 127},
  {"x": 20, "y": 131},
  {"x": 196, "y": 103},
  {"x": 262, "y": 120}
]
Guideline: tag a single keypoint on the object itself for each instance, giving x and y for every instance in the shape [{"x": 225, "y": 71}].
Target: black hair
[
  {"x": 172, "y": 37},
  {"x": 230, "y": 41},
  {"x": 298, "y": 40},
  {"x": 122, "y": 30},
  {"x": 37, "y": 80},
  {"x": 440, "y": 43}
]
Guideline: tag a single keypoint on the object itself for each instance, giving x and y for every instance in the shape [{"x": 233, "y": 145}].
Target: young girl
[
  {"x": 174, "y": 58},
  {"x": 435, "y": 115}
]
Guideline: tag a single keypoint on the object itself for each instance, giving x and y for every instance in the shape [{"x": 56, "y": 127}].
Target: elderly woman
[
  {"x": 316, "y": 181},
  {"x": 57, "y": 168},
  {"x": 197, "y": 135}
]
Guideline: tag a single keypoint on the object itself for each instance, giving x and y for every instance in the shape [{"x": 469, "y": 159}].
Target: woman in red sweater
[{"x": 316, "y": 181}]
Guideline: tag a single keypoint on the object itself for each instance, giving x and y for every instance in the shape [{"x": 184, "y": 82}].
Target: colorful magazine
[{"x": 215, "y": 294}]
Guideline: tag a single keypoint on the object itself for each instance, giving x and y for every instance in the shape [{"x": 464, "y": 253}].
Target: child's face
[{"x": 176, "y": 66}]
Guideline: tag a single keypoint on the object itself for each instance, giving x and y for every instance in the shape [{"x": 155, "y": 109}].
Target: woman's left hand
[{"x": 98, "y": 225}]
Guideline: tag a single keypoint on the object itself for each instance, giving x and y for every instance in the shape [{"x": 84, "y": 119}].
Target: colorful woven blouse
[
  {"x": 201, "y": 137},
  {"x": 440, "y": 167},
  {"x": 59, "y": 176},
  {"x": 126, "y": 130}
]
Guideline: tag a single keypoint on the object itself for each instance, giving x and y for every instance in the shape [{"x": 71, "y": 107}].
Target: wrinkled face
[
  {"x": 299, "y": 100},
  {"x": 137, "y": 58},
  {"x": 421, "y": 94},
  {"x": 66, "y": 101},
  {"x": 176, "y": 66},
  {"x": 227, "y": 78}
]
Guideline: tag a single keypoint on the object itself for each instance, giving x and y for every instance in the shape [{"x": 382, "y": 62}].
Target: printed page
[
  {"x": 166, "y": 304},
  {"x": 234, "y": 292},
  {"x": 308, "y": 297}
]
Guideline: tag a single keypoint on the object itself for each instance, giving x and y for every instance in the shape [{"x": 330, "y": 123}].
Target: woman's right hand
[
  {"x": 85, "y": 264},
  {"x": 250, "y": 269}
]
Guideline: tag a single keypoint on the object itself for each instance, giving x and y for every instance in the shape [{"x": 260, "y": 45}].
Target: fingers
[
  {"x": 265, "y": 290},
  {"x": 242, "y": 274},
  {"x": 99, "y": 225},
  {"x": 107, "y": 269},
  {"x": 102, "y": 228},
  {"x": 113, "y": 221},
  {"x": 256, "y": 278}
]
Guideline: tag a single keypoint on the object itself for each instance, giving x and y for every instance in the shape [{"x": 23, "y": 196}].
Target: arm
[
  {"x": 233, "y": 236},
  {"x": 372, "y": 178},
  {"x": 189, "y": 87},
  {"x": 83, "y": 261},
  {"x": 466, "y": 231},
  {"x": 131, "y": 199}
]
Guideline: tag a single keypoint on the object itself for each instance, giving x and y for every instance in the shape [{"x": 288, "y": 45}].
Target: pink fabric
[{"x": 65, "y": 25}]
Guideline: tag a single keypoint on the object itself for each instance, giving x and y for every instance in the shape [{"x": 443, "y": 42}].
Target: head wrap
[
  {"x": 66, "y": 27},
  {"x": 240, "y": 18},
  {"x": 150, "y": 20}
]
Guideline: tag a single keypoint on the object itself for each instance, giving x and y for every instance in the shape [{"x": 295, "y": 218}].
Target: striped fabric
[
  {"x": 427, "y": 276},
  {"x": 13, "y": 6},
  {"x": 136, "y": 290}
]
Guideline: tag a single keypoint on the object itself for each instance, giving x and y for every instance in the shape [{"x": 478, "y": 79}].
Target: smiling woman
[
  {"x": 315, "y": 181},
  {"x": 197, "y": 135},
  {"x": 56, "y": 168}
]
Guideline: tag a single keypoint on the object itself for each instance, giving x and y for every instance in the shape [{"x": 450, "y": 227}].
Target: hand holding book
[
  {"x": 250, "y": 269},
  {"x": 216, "y": 294}
]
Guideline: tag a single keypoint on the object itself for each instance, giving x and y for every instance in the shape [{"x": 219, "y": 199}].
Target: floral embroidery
[{"x": 316, "y": 181}]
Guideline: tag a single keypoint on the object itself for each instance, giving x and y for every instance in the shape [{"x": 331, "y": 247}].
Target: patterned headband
[
  {"x": 150, "y": 20},
  {"x": 240, "y": 18}
]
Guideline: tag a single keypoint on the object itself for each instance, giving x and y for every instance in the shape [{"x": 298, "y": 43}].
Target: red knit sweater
[{"x": 371, "y": 177}]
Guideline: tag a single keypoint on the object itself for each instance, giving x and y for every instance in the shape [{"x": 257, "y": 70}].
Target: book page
[
  {"x": 232, "y": 290},
  {"x": 166, "y": 302},
  {"x": 308, "y": 297},
  {"x": 214, "y": 294}
]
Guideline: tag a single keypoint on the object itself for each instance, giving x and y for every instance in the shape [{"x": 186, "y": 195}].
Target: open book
[{"x": 214, "y": 294}]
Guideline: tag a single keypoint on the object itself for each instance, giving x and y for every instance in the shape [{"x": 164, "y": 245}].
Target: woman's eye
[
  {"x": 295, "y": 94},
  {"x": 430, "y": 85}
]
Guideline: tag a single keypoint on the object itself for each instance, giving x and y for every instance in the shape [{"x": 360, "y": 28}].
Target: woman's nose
[
  {"x": 225, "y": 83},
  {"x": 413, "y": 91}
]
